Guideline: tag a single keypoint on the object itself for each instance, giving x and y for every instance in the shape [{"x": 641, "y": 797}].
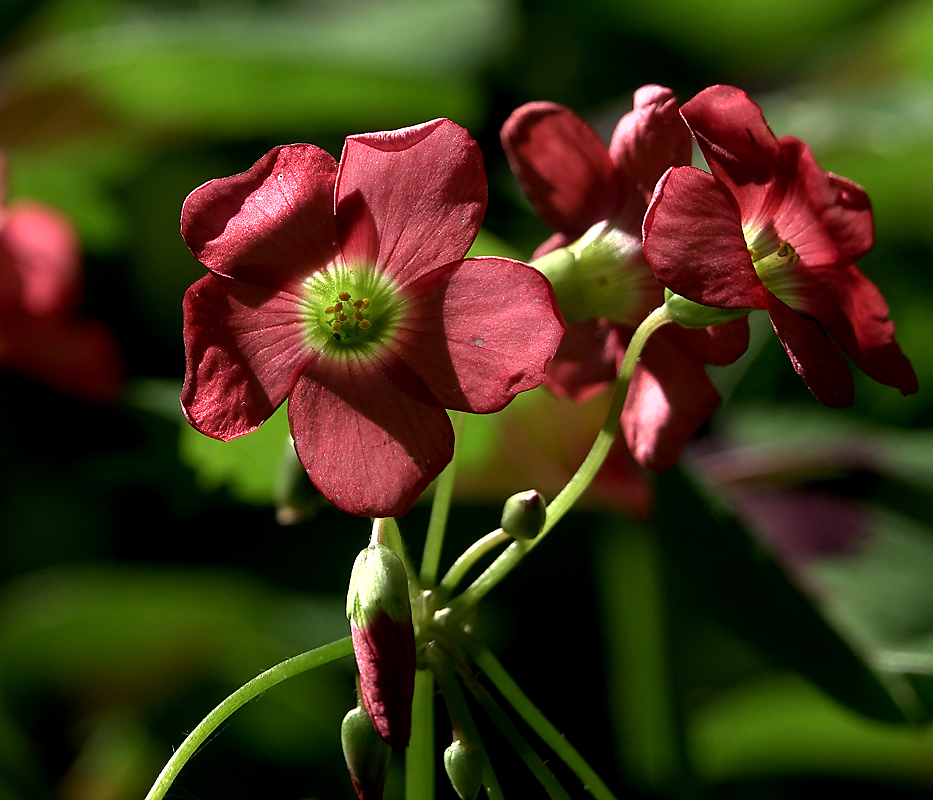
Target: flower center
[
  {"x": 350, "y": 309},
  {"x": 774, "y": 260}
]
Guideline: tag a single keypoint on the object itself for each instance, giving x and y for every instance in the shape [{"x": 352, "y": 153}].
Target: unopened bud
[
  {"x": 464, "y": 764},
  {"x": 523, "y": 514},
  {"x": 383, "y": 640},
  {"x": 366, "y": 753}
]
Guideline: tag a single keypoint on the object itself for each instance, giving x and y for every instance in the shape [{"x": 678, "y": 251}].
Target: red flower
[
  {"x": 596, "y": 198},
  {"x": 344, "y": 288},
  {"x": 770, "y": 230},
  {"x": 40, "y": 285}
]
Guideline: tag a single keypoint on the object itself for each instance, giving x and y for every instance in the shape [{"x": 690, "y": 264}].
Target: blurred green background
[{"x": 144, "y": 574}]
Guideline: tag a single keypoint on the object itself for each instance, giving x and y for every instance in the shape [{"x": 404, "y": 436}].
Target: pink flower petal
[
  {"x": 418, "y": 193},
  {"x": 562, "y": 165},
  {"x": 272, "y": 225},
  {"x": 855, "y": 313},
  {"x": 40, "y": 270},
  {"x": 649, "y": 139},
  {"x": 694, "y": 243},
  {"x": 369, "y": 443},
  {"x": 814, "y": 355},
  {"x": 480, "y": 331},
  {"x": 669, "y": 398},
  {"x": 587, "y": 360},
  {"x": 245, "y": 349}
]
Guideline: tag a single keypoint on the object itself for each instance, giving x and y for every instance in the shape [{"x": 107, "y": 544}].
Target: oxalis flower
[
  {"x": 595, "y": 198},
  {"x": 768, "y": 229},
  {"x": 344, "y": 288}
]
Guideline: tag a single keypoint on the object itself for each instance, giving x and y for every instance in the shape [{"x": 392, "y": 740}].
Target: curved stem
[
  {"x": 470, "y": 556},
  {"x": 578, "y": 484},
  {"x": 528, "y": 711},
  {"x": 440, "y": 508},
  {"x": 280, "y": 672}
]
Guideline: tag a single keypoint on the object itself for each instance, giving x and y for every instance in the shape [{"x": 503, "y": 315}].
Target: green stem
[
  {"x": 470, "y": 556},
  {"x": 579, "y": 483},
  {"x": 459, "y": 712},
  {"x": 261, "y": 683},
  {"x": 440, "y": 508},
  {"x": 528, "y": 711},
  {"x": 419, "y": 757},
  {"x": 514, "y": 736}
]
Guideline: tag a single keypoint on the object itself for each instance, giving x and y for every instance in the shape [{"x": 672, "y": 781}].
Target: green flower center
[
  {"x": 350, "y": 309},
  {"x": 774, "y": 260}
]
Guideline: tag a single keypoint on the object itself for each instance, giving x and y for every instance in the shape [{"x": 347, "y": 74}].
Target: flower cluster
[
  {"x": 766, "y": 230},
  {"x": 596, "y": 197}
]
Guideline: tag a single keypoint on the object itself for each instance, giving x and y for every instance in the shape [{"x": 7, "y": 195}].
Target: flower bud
[
  {"x": 379, "y": 610},
  {"x": 523, "y": 514},
  {"x": 464, "y": 764},
  {"x": 688, "y": 314},
  {"x": 366, "y": 753}
]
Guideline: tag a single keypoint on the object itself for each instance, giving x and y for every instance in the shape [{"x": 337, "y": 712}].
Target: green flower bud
[
  {"x": 688, "y": 314},
  {"x": 464, "y": 764},
  {"x": 383, "y": 640},
  {"x": 523, "y": 514},
  {"x": 366, "y": 753}
]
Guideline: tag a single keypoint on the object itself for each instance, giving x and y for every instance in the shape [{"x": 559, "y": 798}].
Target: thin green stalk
[
  {"x": 440, "y": 508},
  {"x": 419, "y": 757},
  {"x": 528, "y": 711},
  {"x": 470, "y": 556},
  {"x": 461, "y": 719},
  {"x": 514, "y": 736},
  {"x": 261, "y": 683},
  {"x": 579, "y": 483}
]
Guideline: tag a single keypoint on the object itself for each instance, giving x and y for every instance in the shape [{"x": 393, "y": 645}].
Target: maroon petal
[
  {"x": 368, "y": 433},
  {"x": 669, "y": 398},
  {"x": 855, "y": 313},
  {"x": 738, "y": 145},
  {"x": 40, "y": 269},
  {"x": 842, "y": 209},
  {"x": 562, "y": 165},
  {"x": 718, "y": 344},
  {"x": 480, "y": 331},
  {"x": 587, "y": 360},
  {"x": 245, "y": 349},
  {"x": 411, "y": 199},
  {"x": 272, "y": 225},
  {"x": 385, "y": 656},
  {"x": 694, "y": 243},
  {"x": 649, "y": 139},
  {"x": 815, "y": 356}
]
